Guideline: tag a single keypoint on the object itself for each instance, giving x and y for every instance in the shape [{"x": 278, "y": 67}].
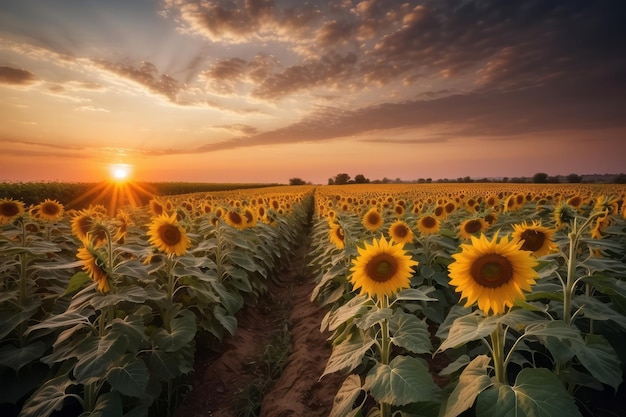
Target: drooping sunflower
[
  {"x": 10, "y": 209},
  {"x": 563, "y": 215},
  {"x": 167, "y": 236},
  {"x": 428, "y": 224},
  {"x": 50, "y": 210},
  {"x": 493, "y": 273},
  {"x": 536, "y": 238},
  {"x": 82, "y": 222},
  {"x": 336, "y": 235},
  {"x": 372, "y": 220},
  {"x": 471, "y": 227},
  {"x": 123, "y": 221},
  {"x": 94, "y": 265},
  {"x": 381, "y": 269},
  {"x": 400, "y": 232}
]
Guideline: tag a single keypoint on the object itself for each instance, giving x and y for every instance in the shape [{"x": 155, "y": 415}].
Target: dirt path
[{"x": 298, "y": 391}]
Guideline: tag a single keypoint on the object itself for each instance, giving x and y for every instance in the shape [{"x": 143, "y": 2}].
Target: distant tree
[
  {"x": 331, "y": 181},
  {"x": 505, "y": 179},
  {"x": 574, "y": 178},
  {"x": 540, "y": 178},
  {"x": 296, "y": 181},
  {"x": 429, "y": 180},
  {"x": 620, "y": 179},
  {"x": 385, "y": 180},
  {"x": 360, "y": 179},
  {"x": 341, "y": 179}
]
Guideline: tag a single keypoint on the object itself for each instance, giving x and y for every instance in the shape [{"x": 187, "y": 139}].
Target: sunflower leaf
[
  {"x": 410, "y": 332},
  {"x": 472, "y": 381},
  {"x": 537, "y": 392},
  {"x": 348, "y": 354},
  {"x": 349, "y": 392},
  {"x": 471, "y": 327}
]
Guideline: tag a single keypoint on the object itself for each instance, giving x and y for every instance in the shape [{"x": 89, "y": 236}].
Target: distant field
[{"x": 65, "y": 193}]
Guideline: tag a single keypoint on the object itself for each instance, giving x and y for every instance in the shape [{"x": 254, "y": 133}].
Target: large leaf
[
  {"x": 76, "y": 282},
  {"x": 405, "y": 380},
  {"x": 348, "y": 354},
  {"x": 372, "y": 317},
  {"x": 592, "y": 308},
  {"x": 108, "y": 404},
  {"x": 183, "y": 330},
  {"x": 409, "y": 332},
  {"x": 48, "y": 398},
  {"x": 16, "y": 357},
  {"x": 600, "y": 359},
  {"x": 537, "y": 393},
  {"x": 344, "y": 402},
  {"x": 129, "y": 377},
  {"x": 414, "y": 294},
  {"x": 472, "y": 381},
  {"x": 95, "y": 355},
  {"x": 465, "y": 329},
  {"x": 354, "y": 307}
]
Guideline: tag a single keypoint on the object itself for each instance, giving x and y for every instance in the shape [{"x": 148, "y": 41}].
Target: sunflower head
[
  {"x": 94, "y": 265},
  {"x": 372, "y": 220},
  {"x": 400, "y": 232},
  {"x": 235, "y": 219},
  {"x": 471, "y": 227},
  {"x": 428, "y": 224},
  {"x": 492, "y": 273},
  {"x": 167, "y": 236},
  {"x": 563, "y": 215},
  {"x": 50, "y": 210},
  {"x": 381, "y": 269},
  {"x": 535, "y": 238},
  {"x": 10, "y": 209},
  {"x": 336, "y": 235}
]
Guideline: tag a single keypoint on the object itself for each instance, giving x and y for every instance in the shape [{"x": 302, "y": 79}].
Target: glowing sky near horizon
[{"x": 264, "y": 91}]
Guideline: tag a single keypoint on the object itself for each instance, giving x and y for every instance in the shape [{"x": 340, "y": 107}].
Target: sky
[{"x": 265, "y": 91}]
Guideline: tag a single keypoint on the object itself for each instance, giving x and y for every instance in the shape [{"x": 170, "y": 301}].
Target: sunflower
[
  {"x": 123, "y": 222},
  {"x": 493, "y": 273},
  {"x": 470, "y": 227},
  {"x": 236, "y": 220},
  {"x": 536, "y": 238},
  {"x": 82, "y": 222},
  {"x": 10, "y": 209},
  {"x": 400, "y": 232},
  {"x": 372, "y": 220},
  {"x": 563, "y": 215},
  {"x": 381, "y": 269},
  {"x": 428, "y": 224},
  {"x": 167, "y": 236},
  {"x": 50, "y": 210},
  {"x": 94, "y": 265},
  {"x": 336, "y": 235}
]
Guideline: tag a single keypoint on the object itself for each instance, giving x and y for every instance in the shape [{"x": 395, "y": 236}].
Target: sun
[{"x": 120, "y": 172}]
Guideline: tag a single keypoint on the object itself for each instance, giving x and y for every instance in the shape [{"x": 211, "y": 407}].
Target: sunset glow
[
  {"x": 120, "y": 172},
  {"x": 263, "y": 91}
]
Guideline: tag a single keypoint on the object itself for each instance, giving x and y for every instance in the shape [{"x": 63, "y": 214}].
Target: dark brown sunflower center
[
  {"x": 492, "y": 270},
  {"x": 235, "y": 217},
  {"x": 401, "y": 231},
  {"x": 381, "y": 267},
  {"x": 50, "y": 209},
  {"x": 429, "y": 222},
  {"x": 373, "y": 218},
  {"x": 473, "y": 226},
  {"x": 339, "y": 233},
  {"x": 533, "y": 240},
  {"x": 9, "y": 209},
  {"x": 170, "y": 234}
]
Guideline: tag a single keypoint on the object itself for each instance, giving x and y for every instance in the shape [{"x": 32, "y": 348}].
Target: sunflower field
[{"x": 441, "y": 299}]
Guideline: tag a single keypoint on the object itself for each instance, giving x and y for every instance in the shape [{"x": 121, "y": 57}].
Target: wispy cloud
[{"x": 16, "y": 76}]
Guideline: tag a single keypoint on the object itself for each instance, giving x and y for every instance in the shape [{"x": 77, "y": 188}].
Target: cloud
[
  {"x": 16, "y": 76},
  {"x": 91, "y": 109}
]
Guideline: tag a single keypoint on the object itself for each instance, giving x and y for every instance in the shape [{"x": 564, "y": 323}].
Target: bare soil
[{"x": 299, "y": 391}]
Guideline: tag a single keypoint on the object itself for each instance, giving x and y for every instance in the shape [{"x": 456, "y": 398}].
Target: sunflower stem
[
  {"x": 497, "y": 343},
  {"x": 385, "y": 349}
]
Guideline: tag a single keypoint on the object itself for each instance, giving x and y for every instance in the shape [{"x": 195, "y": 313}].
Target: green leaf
[
  {"x": 405, "y": 380},
  {"x": 608, "y": 285},
  {"x": 244, "y": 260},
  {"x": 228, "y": 322},
  {"x": 354, "y": 307},
  {"x": 410, "y": 332},
  {"x": 95, "y": 355},
  {"x": 164, "y": 364},
  {"x": 600, "y": 359},
  {"x": 17, "y": 357},
  {"x": 471, "y": 327},
  {"x": 372, "y": 317},
  {"x": 472, "y": 381},
  {"x": 454, "y": 366},
  {"x": 414, "y": 294},
  {"x": 109, "y": 404},
  {"x": 349, "y": 392},
  {"x": 77, "y": 281},
  {"x": 183, "y": 331},
  {"x": 48, "y": 398},
  {"x": 129, "y": 377},
  {"x": 537, "y": 393},
  {"x": 348, "y": 354},
  {"x": 594, "y": 309}
]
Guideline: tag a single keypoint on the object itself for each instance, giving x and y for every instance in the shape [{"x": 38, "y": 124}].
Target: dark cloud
[
  {"x": 147, "y": 75},
  {"x": 16, "y": 76}
]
